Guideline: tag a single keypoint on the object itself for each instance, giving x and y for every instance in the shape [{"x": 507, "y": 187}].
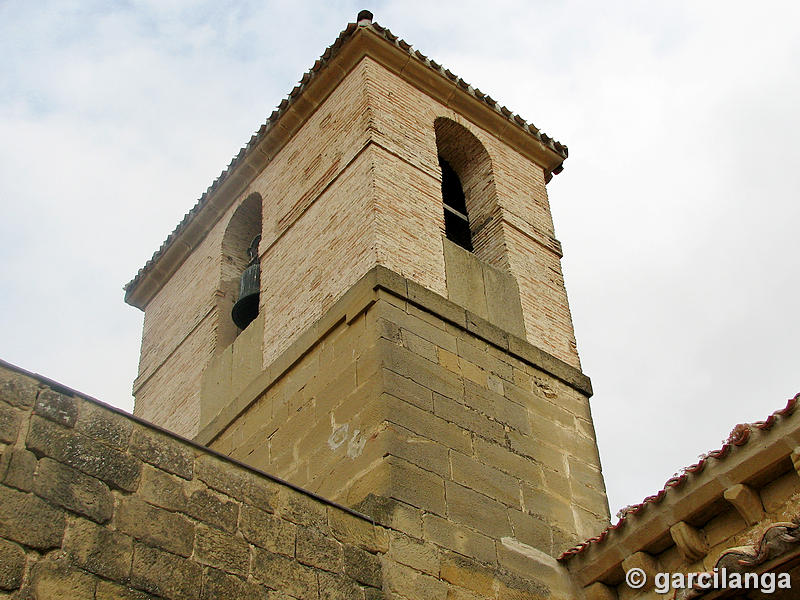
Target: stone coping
[
  {"x": 357, "y": 300},
  {"x": 67, "y": 391}
]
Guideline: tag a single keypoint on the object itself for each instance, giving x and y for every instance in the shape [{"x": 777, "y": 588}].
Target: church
[{"x": 359, "y": 379}]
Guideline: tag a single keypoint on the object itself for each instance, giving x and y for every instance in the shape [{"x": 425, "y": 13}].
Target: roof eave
[{"x": 651, "y": 521}]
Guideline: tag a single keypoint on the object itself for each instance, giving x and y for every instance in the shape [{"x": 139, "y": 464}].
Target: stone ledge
[{"x": 359, "y": 298}]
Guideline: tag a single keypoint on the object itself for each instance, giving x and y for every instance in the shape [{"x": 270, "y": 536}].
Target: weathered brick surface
[
  {"x": 182, "y": 319},
  {"x": 358, "y": 185},
  {"x": 405, "y": 118},
  {"x": 169, "y": 395}
]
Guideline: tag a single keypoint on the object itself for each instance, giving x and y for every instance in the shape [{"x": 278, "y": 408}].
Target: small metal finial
[{"x": 364, "y": 17}]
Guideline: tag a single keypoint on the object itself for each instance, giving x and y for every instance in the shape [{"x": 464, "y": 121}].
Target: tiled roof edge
[
  {"x": 739, "y": 436},
  {"x": 327, "y": 55}
]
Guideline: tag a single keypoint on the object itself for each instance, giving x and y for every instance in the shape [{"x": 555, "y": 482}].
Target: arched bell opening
[
  {"x": 468, "y": 192},
  {"x": 240, "y": 271}
]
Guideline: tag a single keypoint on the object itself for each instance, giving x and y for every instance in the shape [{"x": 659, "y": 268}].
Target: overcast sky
[{"x": 677, "y": 209}]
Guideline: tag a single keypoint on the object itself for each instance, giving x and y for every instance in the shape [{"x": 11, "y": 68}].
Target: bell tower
[{"x": 407, "y": 347}]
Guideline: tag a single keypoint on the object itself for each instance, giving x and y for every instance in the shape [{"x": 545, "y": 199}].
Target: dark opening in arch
[{"x": 456, "y": 219}]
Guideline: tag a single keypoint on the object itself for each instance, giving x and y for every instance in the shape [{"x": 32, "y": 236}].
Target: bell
[{"x": 246, "y": 307}]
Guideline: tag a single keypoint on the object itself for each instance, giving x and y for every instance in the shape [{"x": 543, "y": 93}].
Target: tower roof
[{"x": 357, "y": 40}]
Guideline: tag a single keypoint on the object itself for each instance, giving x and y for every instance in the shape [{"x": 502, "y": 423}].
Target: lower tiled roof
[{"x": 739, "y": 436}]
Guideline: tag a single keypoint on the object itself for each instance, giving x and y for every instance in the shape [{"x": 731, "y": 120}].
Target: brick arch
[
  {"x": 243, "y": 226},
  {"x": 473, "y": 165}
]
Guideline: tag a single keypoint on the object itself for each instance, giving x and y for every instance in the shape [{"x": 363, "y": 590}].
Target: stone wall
[
  {"x": 429, "y": 418},
  {"x": 96, "y": 504}
]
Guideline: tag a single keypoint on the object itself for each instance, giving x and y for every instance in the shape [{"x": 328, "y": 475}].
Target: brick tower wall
[{"x": 356, "y": 186}]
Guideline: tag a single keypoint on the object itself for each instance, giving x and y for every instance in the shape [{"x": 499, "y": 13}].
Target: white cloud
[{"x": 675, "y": 209}]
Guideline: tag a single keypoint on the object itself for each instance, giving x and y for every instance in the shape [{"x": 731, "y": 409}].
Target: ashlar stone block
[
  {"x": 12, "y": 565},
  {"x": 29, "y": 520},
  {"x": 155, "y": 526},
  {"x": 73, "y": 449},
  {"x": 98, "y": 549},
  {"x": 165, "y": 574},
  {"x": 73, "y": 490}
]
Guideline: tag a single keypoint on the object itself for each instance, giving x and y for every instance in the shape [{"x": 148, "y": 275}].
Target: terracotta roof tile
[
  {"x": 739, "y": 436},
  {"x": 331, "y": 51}
]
